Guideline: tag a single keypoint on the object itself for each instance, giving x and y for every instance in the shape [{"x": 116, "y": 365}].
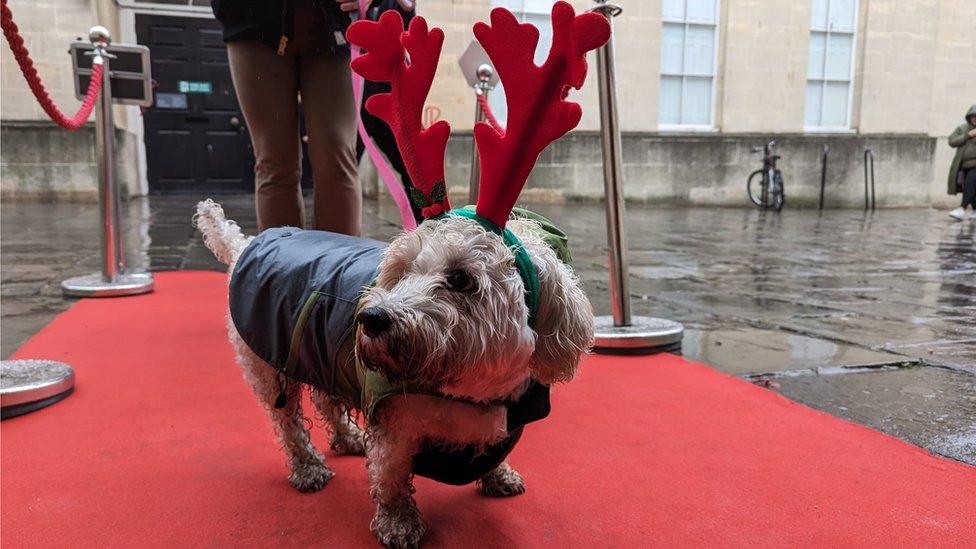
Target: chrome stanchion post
[
  {"x": 113, "y": 280},
  {"x": 621, "y": 332},
  {"x": 612, "y": 176},
  {"x": 105, "y": 143},
  {"x": 484, "y": 74}
]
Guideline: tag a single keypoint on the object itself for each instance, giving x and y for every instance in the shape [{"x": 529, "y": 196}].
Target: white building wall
[
  {"x": 953, "y": 85},
  {"x": 764, "y": 65},
  {"x": 48, "y": 28}
]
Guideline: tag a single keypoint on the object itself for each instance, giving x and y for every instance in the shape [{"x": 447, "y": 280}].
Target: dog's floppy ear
[{"x": 564, "y": 323}]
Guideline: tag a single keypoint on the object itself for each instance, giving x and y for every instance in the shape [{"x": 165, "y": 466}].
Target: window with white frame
[
  {"x": 537, "y": 12},
  {"x": 833, "y": 28},
  {"x": 688, "y": 41}
]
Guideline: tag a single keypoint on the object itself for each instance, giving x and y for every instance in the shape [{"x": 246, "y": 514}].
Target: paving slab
[{"x": 932, "y": 407}]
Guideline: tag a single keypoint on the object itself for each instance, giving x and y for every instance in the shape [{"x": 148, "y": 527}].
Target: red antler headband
[
  {"x": 387, "y": 48},
  {"x": 538, "y": 113}
]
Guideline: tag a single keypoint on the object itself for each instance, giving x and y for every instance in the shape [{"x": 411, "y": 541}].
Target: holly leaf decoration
[
  {"x": 418, "y": 197},
  {"x": 439, "y": 192}
]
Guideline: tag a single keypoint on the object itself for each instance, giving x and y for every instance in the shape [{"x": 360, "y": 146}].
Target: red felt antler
[
  {"x": 386, "y": 60},
  {"x": 537, "y": 111}
]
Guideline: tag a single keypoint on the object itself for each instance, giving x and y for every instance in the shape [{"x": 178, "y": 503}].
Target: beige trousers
[{"x": 268, "y": 87}]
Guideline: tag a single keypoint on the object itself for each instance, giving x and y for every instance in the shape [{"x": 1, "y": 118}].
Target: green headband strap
[{"x": 523, "y": 263}]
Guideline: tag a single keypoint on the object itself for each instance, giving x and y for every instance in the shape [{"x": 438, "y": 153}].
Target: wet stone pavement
[{"x": 871, "y": 317}]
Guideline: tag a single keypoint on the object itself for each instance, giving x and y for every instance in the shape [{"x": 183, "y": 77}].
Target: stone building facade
[{"x": 701, "y": 82}]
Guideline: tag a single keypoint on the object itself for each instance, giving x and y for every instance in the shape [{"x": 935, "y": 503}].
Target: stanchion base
[
  {"x": 28, "y": 385},
  {"x": 93, "y": 286},
  {"x": 644, "y": 336}
]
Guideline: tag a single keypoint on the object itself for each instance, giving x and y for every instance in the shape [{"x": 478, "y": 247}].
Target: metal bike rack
[
  {"x": 868, "y": 164},
  {"x": 823, "y": 172},
  {"x": 621, "y": 332},
  {"x": 112, "y": 280}
]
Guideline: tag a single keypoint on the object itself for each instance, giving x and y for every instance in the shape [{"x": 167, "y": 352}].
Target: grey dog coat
[{"x": 293, "y": 299}]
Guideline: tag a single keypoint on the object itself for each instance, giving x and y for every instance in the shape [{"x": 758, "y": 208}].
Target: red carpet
[{"x": 163, "y": 445}]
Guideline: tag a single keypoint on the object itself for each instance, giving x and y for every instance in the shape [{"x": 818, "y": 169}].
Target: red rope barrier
[
  {"x": 12, "y": 33},
  {"x": 489, "y": 116}
]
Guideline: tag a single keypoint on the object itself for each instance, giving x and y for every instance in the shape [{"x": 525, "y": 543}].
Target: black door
[{"x": 196, "y": 139}]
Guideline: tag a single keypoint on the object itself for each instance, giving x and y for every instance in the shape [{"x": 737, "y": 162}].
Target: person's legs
[
  {"x": 267, "y": 88},
  {"x": 330, "y": 118},
  {"x": 969, "y": 190}
]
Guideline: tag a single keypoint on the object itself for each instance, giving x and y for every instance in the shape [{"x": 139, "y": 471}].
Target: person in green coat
[{"x": 962, "y": 172}]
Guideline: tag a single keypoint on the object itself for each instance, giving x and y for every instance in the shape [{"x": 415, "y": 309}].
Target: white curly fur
[{"x": 474, "y": 344}]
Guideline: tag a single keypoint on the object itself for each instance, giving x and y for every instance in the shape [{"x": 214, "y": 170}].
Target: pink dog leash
[{"x": 383, "y": 168}]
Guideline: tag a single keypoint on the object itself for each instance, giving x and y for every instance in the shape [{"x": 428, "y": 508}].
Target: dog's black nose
[{"x": 375, "y": 321}]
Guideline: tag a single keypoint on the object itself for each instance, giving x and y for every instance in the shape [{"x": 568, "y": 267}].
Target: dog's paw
[
  {"x": 310, "y": 477},
  {"x": 503, "y": 481},
  {"x": 351, "y": 444},
  {"x": 398, "y": 527}
]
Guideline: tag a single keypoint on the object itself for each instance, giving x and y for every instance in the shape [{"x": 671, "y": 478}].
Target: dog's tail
[{"x": 222, "y": 236}]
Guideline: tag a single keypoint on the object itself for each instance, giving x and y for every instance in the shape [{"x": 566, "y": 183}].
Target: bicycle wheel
[
  {"x": 754, "y": 187},
  {"x": 778, "y": 192}
]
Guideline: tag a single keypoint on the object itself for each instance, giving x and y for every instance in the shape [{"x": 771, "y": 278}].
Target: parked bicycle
[{"x": 765, "y": 185}]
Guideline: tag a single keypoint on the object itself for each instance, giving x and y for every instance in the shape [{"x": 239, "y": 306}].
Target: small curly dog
[
  {"x": 445, "y": 313},
  {"x": 445, "y": 341}
]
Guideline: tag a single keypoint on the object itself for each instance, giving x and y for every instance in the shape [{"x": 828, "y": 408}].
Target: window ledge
[
  {"x": 828, "y": 129},
  {"x": 682, "y": 128}
]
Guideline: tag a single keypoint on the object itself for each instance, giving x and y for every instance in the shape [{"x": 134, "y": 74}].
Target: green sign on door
[{"x": 190, "y": 86}]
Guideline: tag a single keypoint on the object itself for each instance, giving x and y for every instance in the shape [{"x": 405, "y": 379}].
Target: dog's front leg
[{"x": 389, "y": 461}]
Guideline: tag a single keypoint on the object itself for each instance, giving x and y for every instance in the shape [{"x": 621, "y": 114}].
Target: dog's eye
[{"x": 459, "y": 281}]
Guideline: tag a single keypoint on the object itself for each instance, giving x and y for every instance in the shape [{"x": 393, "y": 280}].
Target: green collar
[{"x": 523, "y": 263}]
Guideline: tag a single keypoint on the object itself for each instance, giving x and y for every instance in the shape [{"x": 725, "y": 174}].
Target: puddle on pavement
[{"x": 753, "y": 351}]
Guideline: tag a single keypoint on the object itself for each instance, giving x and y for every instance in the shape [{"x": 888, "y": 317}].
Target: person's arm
[{"x": 959, "y": 136}]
